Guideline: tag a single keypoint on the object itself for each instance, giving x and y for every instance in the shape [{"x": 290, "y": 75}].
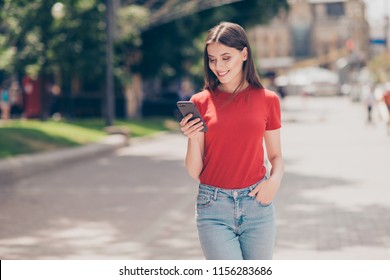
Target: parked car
[{"x": 310, "y": 81}]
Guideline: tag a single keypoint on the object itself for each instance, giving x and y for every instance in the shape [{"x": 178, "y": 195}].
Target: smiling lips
[{"x": 222, "y": 74}]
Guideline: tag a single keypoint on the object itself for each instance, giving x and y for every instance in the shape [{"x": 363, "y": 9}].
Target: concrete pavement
[
  {"x": 32, "y": 164},
  {"x": 109, "y": 207},
  {"x": 335, "y": 202},
  {"x": 138, "y": 203}
]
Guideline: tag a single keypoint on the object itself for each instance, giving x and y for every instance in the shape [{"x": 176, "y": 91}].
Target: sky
[{"x": 376, "y": 10}]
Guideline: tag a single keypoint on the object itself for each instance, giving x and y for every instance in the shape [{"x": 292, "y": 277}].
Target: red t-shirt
[{"x": 234, "y": 154}]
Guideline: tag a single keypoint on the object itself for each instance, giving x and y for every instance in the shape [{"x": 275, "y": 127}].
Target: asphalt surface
[{"x": 138, "y": 202}]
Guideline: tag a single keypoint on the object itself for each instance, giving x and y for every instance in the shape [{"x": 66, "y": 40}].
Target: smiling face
[{"x": 226, "y": 64}]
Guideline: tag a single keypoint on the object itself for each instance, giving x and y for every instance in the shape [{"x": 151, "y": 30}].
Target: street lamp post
[{"x": 110, "y": 106}]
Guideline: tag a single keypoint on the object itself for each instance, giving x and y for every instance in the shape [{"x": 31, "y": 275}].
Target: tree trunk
[{"x": 134, "y": 97}]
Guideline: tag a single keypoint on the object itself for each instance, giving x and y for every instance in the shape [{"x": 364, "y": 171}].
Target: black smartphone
[{"x": 188, "y": 107}]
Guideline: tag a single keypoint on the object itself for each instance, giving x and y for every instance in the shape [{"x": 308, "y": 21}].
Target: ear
[{"x": 244, "y": 53}]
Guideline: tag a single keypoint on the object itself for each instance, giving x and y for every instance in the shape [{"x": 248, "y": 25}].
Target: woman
[
  {"x": 235, "y": 214},
  {"x": 5, "y": 105}
]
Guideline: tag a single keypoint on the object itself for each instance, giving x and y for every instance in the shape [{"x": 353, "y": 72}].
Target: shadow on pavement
[
  {"x": 308, "y": 222},
  {"x": 136, "y": 207}
]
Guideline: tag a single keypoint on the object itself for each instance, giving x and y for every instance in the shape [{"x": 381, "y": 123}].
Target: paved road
[
  {"x": 335, "y": 200},
  {"x": 139, "y": 202}
]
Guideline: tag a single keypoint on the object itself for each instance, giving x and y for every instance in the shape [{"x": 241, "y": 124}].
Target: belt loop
[{"x": 215, "y": 194}]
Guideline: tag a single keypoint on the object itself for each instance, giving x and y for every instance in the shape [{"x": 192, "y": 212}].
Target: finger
[
  {"x": 191, "y": 124},
  {"x": 185, "y": 119},
  {"x": 260, "y": 197},
  {"x": 192, "y": 131},
  {"x": 195, "y": 128},
  {"x": 254, "y": 191}
]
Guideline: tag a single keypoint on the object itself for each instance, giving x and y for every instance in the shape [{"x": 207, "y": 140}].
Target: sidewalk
[
  {"x": 138, "y": 202},
  {"x": 334, "y": 202},
  {"x": 27, "y": 165}
]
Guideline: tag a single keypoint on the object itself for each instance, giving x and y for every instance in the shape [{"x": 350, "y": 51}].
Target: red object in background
[
  {"x": 350, "y": 44},
  {"x": 32, "y": 98},
  {"x": 386, "y": 98}
]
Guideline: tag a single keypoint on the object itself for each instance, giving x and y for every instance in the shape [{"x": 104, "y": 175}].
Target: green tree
[
  {"x": 40, "y": 42},
  {"x": 131, "y": 20},
  {"x": 65, "y": 41},
  {"x": 67, "y": 45},
  {"x": 174, "y": 49}
]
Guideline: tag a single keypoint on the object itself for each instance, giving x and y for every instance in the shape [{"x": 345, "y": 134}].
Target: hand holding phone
[{"x": 188, "y": 107}]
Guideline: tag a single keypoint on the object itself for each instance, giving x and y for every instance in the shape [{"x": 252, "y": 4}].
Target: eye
[
  {"x": 226, "y": 58},
  {"x": 211, "y": 60}
]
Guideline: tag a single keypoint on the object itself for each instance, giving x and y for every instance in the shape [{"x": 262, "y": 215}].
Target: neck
[{"x": 232, "y": 88}]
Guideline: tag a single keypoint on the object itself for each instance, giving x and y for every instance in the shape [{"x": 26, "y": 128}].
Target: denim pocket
[{"x": 203, "y": 200}]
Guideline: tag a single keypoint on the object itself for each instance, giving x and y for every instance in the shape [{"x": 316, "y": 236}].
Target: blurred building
[{"x": 312, "y": 33}]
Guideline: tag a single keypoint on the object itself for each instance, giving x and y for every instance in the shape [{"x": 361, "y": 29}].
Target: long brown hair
[{"x": 231, "y": 35}]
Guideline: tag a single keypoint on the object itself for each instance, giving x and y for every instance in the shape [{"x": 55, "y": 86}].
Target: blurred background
[
  {"x": 71, "y": 69},
  {"x": 54, "y": 54}
]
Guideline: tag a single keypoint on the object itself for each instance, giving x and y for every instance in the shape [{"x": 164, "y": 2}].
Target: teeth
[{"x": 222, "y": 73}]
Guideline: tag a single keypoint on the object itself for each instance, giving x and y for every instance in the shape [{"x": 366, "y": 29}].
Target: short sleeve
[
  {"x": 199, "y": 100},
  {"x": 274, "y": 114},
  {"x": 194, "y": 100}
]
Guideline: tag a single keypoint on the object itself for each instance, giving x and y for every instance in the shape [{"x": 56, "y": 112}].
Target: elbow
[
  {"x": 277, "y": 164},
  {"x": 276, "y": 158}
]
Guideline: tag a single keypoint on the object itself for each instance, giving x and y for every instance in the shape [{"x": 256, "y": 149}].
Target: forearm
[
  {"x": 194, "y": 157},
  {"x": 277, "y": 169}
]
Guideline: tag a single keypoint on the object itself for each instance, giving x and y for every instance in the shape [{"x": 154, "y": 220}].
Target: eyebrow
[{"x": 220, "y": 55}]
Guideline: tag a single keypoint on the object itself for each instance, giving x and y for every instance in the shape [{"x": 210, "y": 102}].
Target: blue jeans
[{"x": 233, "y": 225}]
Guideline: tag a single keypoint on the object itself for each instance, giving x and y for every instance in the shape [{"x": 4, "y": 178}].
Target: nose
[{"x": 219, "y": 65}]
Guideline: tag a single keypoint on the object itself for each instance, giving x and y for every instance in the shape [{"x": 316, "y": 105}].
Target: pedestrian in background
[
  {"x": 369, "y": 100},
  {"x": 235, "y": 214},
  {"x": 5, "y": 101}
]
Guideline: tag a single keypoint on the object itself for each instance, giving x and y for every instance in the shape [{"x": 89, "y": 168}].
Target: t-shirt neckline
[{"x": 247, "y": 88}]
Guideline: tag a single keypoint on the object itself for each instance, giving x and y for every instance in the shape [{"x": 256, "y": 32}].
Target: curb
[{"x": 27, "y": 165}]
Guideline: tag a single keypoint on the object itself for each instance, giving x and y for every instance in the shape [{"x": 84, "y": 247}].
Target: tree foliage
[
  {"x": 36, "y": 41},
  {"x": 175, "y": 49},
  {"x": 380, "y": 67},
  {"x": 131, "y": 20}
]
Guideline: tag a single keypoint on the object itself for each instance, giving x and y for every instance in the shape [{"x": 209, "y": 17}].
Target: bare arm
[
  {"x": 274, "y": 152},
  {"x": 266, "y": 190},
  {"x": 195, "y": 146}
]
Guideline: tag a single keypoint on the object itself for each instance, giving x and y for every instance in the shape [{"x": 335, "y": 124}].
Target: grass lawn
[{"x": 31, "y": 136}]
